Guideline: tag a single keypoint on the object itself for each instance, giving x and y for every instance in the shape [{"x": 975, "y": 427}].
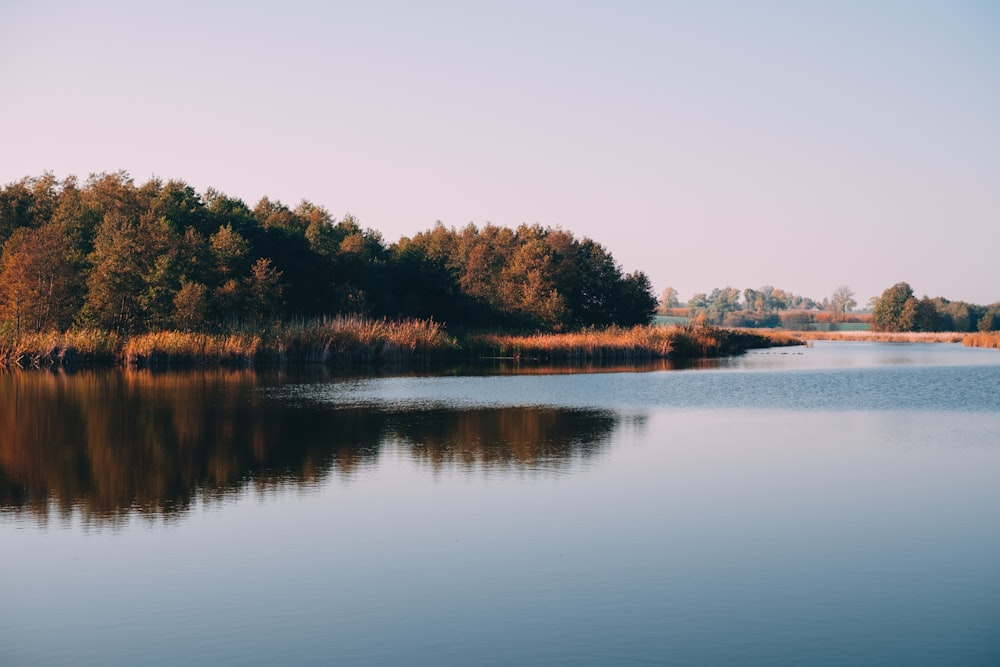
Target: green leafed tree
[
  {"x": 264, "y": 290},
  {"x": 896, "y": 309},
  {"x": 135, "y": 275}
]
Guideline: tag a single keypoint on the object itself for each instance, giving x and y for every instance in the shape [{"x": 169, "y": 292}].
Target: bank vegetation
[{"x": 357, "y": 340}]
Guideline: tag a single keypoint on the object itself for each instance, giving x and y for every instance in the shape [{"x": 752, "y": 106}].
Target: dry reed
[
  {"x": 989, "y": 339},
  {"x": 616, "y": 344},
  {"x": 342, "y": 339},
  {"x": 43, "y": 350},
  {"x": 887, "y": 336},
  {"x": 335, "y": 340},
  {"x": 164, "y": 348},
  {"x": 358, "y": 339}
]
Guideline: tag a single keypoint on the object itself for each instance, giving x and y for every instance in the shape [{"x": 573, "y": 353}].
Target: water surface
[{"x": 830, "y": 505}]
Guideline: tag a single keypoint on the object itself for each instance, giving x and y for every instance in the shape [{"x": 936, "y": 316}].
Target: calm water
[{"x": 836, "y": 505}]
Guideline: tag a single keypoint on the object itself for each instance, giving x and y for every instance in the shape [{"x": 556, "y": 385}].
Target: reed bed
[
  {"x": 888, "y": 336},
  {"x": 324, "y": 341},
  {"x": 46, "y": 350},
  {"x": 169, "y": 348},
  {"x": 360, "y": 340},
  {"x": 989, "y": 339},
  {"x": 626, "y": 344}
]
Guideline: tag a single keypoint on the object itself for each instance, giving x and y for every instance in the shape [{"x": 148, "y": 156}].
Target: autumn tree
[
  {"x": 157, "y": 254},
  {"x": 135, "y": 275},
  {"x": 990, "y": 321},
  {"x": 191, "y": 306},
  {"x": 264, "y": 290},
  {"x": 38, "y": 287},
  {"x": 714, "y": 308},
  {"x": 895, "y": 310}
]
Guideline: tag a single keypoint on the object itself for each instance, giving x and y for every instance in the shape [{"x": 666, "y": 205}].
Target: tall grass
[
  {"x": 166, "y": 348},
  {"x": 983, "y": 339},
  {"x": 348, "y": 339},
  {"x": 617, "y": 344},
  {"x": 357, "y": 339},
  {"x": 888, "y": 336},
  {"x": 345, "y": 339},
  {"x": 41, "y": 350}
]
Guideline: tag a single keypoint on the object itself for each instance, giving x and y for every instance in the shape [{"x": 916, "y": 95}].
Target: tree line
[
  {"x": 897, "y": 309},
  {"x": 111, "y": 254},
  {"x": 756, "y": 307}
]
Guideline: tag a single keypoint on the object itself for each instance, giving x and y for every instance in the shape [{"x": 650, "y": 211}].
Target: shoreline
[
  {"x": 987, "y": 339},
  {"x": 345, "y": 341},
  {"x": 355, "y": 341}
]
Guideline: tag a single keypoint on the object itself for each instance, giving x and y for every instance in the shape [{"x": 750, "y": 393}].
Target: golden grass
[
  {"x": 361, "y": 340},
  {"x": 989, "y": 339},
  {"x": 641, "y": 342},
  {"x": 887, "y": 336},
  {"x": 340, "y": 340},
  {"x": 358, "y": 339},
  {"x": 39, "y": 350},
  {"x": 336, "y": 340},
  {"x": 178, "y": 347}
]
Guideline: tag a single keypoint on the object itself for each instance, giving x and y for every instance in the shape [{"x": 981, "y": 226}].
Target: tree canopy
[
  {"x": 113, "y": 254},
  {"x": 897, "y": 309}
]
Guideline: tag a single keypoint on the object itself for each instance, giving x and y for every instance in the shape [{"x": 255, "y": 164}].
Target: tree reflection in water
[{"x": 109, "y": 444}]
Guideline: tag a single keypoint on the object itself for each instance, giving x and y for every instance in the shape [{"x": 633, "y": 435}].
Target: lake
[{"x": 831, "y": 505}]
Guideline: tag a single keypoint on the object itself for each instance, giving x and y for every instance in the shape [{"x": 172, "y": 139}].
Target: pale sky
[{"x": 803, "y": 145}]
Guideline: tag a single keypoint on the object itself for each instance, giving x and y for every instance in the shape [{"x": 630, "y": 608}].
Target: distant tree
[
  {"x": 842, "y": 301},
  {"x": 766, "y": 299},
  {"x": 780, "y": 299},
  {"x": 895, "y": 310},
  {"x": 925, "y": 315},
  {"x": 698, "y": 301},
  {"x": 716, "y": 307},
  {"x": 722, "y": 302},
  {"x": 668, "y": 298},
  {"x": 958, "y": 315},
  {"x": 990, "y": 321}
]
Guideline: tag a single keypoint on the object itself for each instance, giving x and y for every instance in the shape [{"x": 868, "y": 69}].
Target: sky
[{"x": 804, "y": 145}]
